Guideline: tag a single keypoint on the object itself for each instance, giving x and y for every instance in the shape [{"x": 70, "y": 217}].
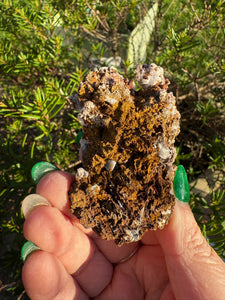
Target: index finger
[{"x": 54, "y": 187}]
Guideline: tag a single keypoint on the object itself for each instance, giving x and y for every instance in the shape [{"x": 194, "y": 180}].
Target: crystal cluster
[{"x": 125, "y": 184}]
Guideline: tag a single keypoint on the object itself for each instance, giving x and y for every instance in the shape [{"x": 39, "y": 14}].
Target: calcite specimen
[{"x": 125, "y": 184}]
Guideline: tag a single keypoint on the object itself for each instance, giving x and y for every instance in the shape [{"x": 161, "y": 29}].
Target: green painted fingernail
[
  {"x": 40, "y": 169},
  {"x": 79, "y": 137},
  {"x": 27, "y": 249},
  {"x": 180, "y": 185}
]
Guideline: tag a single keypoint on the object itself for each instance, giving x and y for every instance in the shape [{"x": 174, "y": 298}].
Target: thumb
[{"x": 195, "y": 270}]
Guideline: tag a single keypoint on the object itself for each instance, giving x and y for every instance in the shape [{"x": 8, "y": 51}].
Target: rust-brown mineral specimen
[{"x": 125, "y": 184}]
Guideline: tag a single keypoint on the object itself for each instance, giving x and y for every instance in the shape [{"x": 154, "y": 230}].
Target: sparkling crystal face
[{"x": 127, "y": 150}]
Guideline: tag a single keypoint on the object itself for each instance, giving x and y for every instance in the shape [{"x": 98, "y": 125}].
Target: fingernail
[
  {"x": 32, "y": 201},
  {"x": 27, "y": 249},
  {"x": 180, "y": 185},
  {"x": 40, "y": 169},
  {"x": 79, "y": 137}
]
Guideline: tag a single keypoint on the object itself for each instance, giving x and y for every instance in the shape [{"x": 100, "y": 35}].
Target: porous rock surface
[{"x": 125, "y": 184}]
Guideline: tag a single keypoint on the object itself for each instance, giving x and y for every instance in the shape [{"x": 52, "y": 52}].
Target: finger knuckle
[{"x": 196, "y": 245}]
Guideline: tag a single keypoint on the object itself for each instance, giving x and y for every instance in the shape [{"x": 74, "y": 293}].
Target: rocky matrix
[{"x": 125, "y": 184}]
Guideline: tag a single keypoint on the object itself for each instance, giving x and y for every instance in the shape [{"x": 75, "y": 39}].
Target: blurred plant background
[{"x": 46, "y": 49}]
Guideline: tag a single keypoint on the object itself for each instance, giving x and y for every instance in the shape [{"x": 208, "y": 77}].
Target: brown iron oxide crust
[{"x": 125, "y": 185}]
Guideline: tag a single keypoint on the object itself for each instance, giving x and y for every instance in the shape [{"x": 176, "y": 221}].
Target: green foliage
[
  {"x": 46, "y": 49},
  {"x": 215, "y": 152},
  {"x": 211, "y": 219},
  {"x": 207, "y": 110}
]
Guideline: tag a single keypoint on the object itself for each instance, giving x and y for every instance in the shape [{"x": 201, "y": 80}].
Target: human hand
[{"x": 74, "y": 263}]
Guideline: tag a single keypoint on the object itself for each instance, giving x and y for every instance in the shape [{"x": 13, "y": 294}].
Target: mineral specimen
[{"x": 125, "y": 184}]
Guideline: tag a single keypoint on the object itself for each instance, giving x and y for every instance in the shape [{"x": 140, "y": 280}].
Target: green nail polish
[
  {"x": 79, "y": 137},
  {"x": 27, "y": 249},
  {"x": 180, "y": 185},
  {"x": 40, "y": 169}
]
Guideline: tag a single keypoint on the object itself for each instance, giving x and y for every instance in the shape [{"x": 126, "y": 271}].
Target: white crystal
[
  {"x": 89, "y": 111},
  {"x": 81, "y": 173},
  {"x": 164, "y": 151},
  {"x": 110, "y": 164},
  {"x": 111, "y": 100},
  {"x": 149, "y": 75}
]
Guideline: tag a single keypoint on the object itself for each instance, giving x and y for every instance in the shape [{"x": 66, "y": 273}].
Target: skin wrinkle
[
  {"x": 58, "y": 293},
  {"x": 66, "y": 249},
  {"x": 194, "y": 241},
  {"x": 211, "y": 262},
  {"x": 202, "y": 255},
  {"x": 141, "y": 274},
  {"x": 126, "y": 273},
  {"x": 78, "y": 293},
  {"x": 140, "y": 282},
  {"x": 187, "y": 271},
  {"x": 132, "y": 274},
  {"x": 95, "y": 287},
  {"x": 168, "y": 293},
  {"x": 84, "y": 264},
  {"x": 187, "y": 257},
  {"x": 82, "y": 268},
  {"x": 196, "y": 248},
  {"x": 158, "y": 294},
  {"x": 58, "y": 286},
  {"x": 187, "y": 239},
  {"x": 142, "y": 271},
  {"x": 133, "y": 265}
]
